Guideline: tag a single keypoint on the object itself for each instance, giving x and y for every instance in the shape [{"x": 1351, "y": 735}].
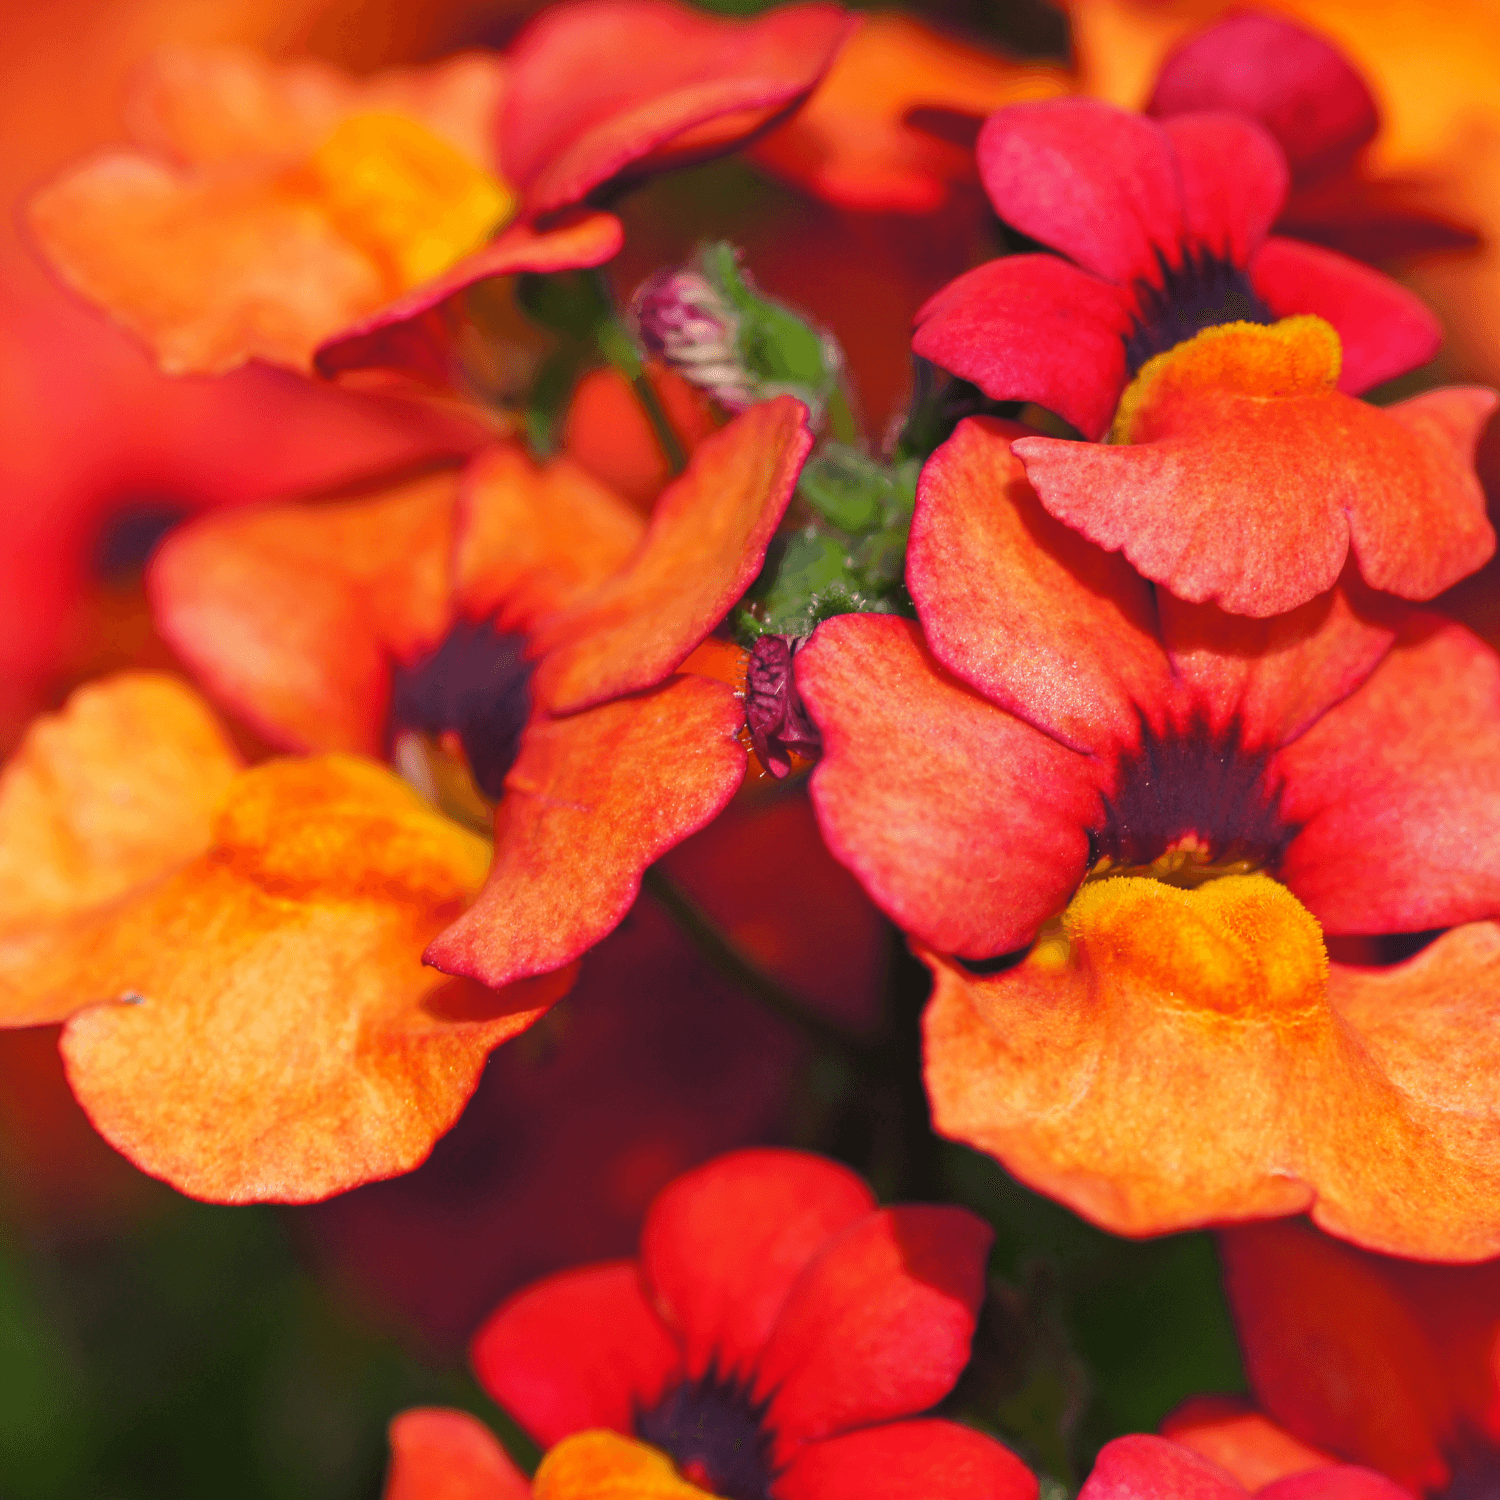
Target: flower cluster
[{"x": 770, "y": 495}]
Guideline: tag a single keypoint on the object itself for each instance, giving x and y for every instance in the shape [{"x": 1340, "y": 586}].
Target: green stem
[
  {"x": 841, "y": 418},
  {"x": 728, "y": 959}
]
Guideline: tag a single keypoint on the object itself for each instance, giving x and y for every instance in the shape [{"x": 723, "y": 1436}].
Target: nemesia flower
[
  {"x": 1382, "y": 1362},
  {"x": 1240, "y": 470},
  {"x": 1142, "y": 1467},
  {"x": 277, "y": 209},
  {"x": 237, "y": 954},
  {"x": 1170, "y": 1045},
  {"x": 778, "y": 1337},
  {"x": 530, "y": 622}
]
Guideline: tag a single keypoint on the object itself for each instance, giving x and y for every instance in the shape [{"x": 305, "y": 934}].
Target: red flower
[
  {"x": 771, "y": 1339},
  {"x": 1389, "y": 1363},
  {"x": 1061, "y": 722},
  {"x": 1236, "y": 473}
]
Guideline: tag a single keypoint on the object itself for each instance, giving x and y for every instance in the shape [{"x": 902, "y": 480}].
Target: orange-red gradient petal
[
  {"x": 590, "y": 802},
  {"x": 603, "y": 1465},
  {"x": 448, "y": 1455},
  {"x": 705, "y": 544},
  {"x": 1228, "y": 1431},
  {"x": 112, "y": 793},
  {"x": 272, "y": 1033}
]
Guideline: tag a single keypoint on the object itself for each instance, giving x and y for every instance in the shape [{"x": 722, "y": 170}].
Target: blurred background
[{"x": 154, "y": 1346}]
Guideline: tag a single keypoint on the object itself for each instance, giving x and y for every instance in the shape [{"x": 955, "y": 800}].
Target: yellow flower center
[
  {"x": 1299, "y": 356},
  {"x": 604, "y": 1465},
  {"x": 413, "y": 203}
]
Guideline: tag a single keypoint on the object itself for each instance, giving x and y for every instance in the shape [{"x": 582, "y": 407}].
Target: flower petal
[
  {"x": 1180, "y": 1060},
  {"x": 1244, "y": 481},
  {"x": 898, "y": 1462},
  {"x": 292, "y": 614},
  {"x": 1338, "y": 1482},
  {"x": 1028, "y": 613},
  {"x": 590, "y": 802},
  {"x": 275, "y": 1035},
  {"x": 1143, "y": 1467},
  {"x": 1227, "y": 212},
  {"x": 602, "y": 1465},
  {"x": 531, "y": 538},
  {"x": 408, "y": 334},
  {"x": 1293, "y": 81},
  {"x": 109, "y": 795},
  {"x": 877, "y": 1326},
  {"x": 449, "y": 1455},
  {"x": 1335, "y": 1353},
  {"x": 963, "y": 823},
  {"x": 1229, "y": 1432},
  {"x": 1397, "y": 791},
  {"x": 1033, "y": 328},
  {"x": 580, "y": 1349},
  {"x": 699, "y": 85},
  {"x": 858, "y": 142},
  {"x": 1095, "y": 182},
  {"x": 1385, "y": 330},
  {"x": 706, "y": 542},
  {"x": 723, "y": 1245}
]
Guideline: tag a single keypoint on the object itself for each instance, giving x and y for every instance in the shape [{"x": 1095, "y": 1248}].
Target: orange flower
[
  {"x": 272, "y": 210},
  {"x": 526, "y": 617}
]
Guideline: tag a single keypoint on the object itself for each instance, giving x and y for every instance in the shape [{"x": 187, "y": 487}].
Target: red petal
[
  {"x": 722, "y": 1246},
  {"x": 899, "y": 1462},
  {"x": 590, "y": 802},
  {"x": 402, "y": 335},
  {"x": 292, "y": 614},
  {"x": 697, "y": 85},
  {"x": 449, "y": 1455},
  {"x": 1030, "y": 614},
  {"x": 878, "y": 1325},
  {"x": 1228, "y": 211},
  {"x": 1095, "y": 182},
  {"x": 963, "y": 823},
  {"x": 1337, "y": 1482},
  {"x": 1385, "y": 329},
  {"x": 1228, "y": 1431},
  {"x": 1397, "y": 792},
  {"x": 1293, "y": 81},
  {"x": 1334, "y": 1352},
  {"x": 580, "y": 1349},
  {"x": 1142, "y": 1467},
  {"x": 706, "y": 543},
  {"x": 1267, "y": 680},
  {"x": 1033, "y": 328}
]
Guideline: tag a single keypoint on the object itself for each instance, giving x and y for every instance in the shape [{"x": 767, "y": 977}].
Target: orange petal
[
  {"x": 590, "y": 802},
  {"x": 855, "y": 142},
  {"x": 235, "y": 248},
  {"x": 707, "y": 538},
  {"x": 449, "y": 1455},
  {"x": 602, "y": 1465},
  {"x": 275, "y": 1034},
  {"x": 1228, "y": 1431},
  {"x": 1175, "y": 1058},
  {"x": 112, "y": 793},
  {"x": 532, "y": 538},
  {"x": 293, "y": 613}
]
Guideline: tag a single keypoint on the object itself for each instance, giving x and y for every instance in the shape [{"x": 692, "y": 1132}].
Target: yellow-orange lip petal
[{"x": 602, "y": 1465}]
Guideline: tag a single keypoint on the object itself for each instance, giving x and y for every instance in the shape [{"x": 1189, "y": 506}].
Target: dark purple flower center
[
  {"x": 475, "y": 683},
  {"x": 129, "y": 535},
  {"x": 1475, "y": 1461},
  {"x": 715, "y": 1434},
  {"x": 1205, "y": 290},
  {"x": 1193, "y": 793}
]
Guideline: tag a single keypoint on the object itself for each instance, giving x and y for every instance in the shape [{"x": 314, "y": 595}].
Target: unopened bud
[{"x": 780, "y": 726}]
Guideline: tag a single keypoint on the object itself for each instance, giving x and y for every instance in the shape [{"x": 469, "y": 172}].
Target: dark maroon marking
[
  {"x": 715, "y": 1434},
  {"x": 1205, "y": 290},
  {"x": 1191, "y": 782},
  {"x": 475, "y": 683},
  {"x": 778, "y": 719},
  {"x": 129, "y": 534},
  {"x": 1474, "y": 1458}
]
